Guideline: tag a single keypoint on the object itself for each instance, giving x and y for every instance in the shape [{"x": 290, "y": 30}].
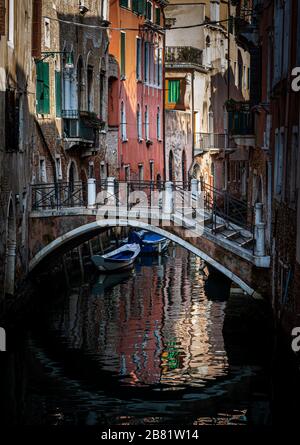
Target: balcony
[
  {"x": 183, "y": 55},
  {"x": 80, "y": 128},
  {"x": 211, "y": 142},
  {"x": 241, "y": 123}
]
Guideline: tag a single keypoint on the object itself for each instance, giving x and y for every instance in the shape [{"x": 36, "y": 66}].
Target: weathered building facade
[
  {"x": 218, "y": 74},
  {"x": 17, "y": 109},
  {"x": 136, "y": 97},
  {"x": 72, "y": 90}
]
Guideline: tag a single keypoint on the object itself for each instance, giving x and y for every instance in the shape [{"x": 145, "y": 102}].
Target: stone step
[{"x": 233, "y": 235}]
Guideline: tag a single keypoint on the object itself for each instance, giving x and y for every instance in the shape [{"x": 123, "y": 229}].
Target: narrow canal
[{"x": 149, "y": 346}]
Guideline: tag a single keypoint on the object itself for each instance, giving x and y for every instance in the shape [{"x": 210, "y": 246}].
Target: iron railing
[
  {"x": 208, "y": 141},
  {"x": 59, "y": 195}
]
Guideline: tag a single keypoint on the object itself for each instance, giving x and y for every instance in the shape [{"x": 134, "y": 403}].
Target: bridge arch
[{"x": 81, "y": 232}]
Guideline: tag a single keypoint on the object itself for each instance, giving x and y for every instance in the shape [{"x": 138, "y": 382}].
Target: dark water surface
[{"x": 149, "y": 349}]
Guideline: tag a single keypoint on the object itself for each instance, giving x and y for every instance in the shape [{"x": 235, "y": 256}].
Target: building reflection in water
[{"x": 155, "y": 328}]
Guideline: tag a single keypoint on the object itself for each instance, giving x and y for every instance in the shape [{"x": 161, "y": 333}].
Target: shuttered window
[
  {"x": 42, "y": 88},
  {"x": 124, "y": 3},
  {"x": 149, "y": 10},
  {"x": 142, "y": 7},
  {"x": 138, "y": 58},
  {"x": 58, "y": 93},
  {"x": 157, "y": 16},
  {"x": 174, "y": 91},
  {"x": 135, "y": 6},
  {"x": 123, "y": 54}
]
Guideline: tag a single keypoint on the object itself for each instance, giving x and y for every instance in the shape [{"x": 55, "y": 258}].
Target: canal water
[{"x": 147, "y": 346}]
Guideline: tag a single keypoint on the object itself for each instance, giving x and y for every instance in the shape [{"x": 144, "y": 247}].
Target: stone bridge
[{"x": 193, "y": 216}]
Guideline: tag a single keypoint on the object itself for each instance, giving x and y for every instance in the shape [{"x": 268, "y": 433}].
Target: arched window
[
  {"x": 80, "y": 84},
  {"x": 139, "y": 123},
  {"x": 102, "y": 88},
  {"x": 90, "y": 87},
  {"x": 158, "y": 124},
  {"x": 123, "y": 122},
  {"x": 171, "y": 166},
  {"x": 146, "y": 123}
]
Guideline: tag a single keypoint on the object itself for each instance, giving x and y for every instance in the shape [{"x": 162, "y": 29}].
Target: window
[
  {"x": 123, "y": 55},
  {"x": 139, "y": 123},
  {"x": 240, "y": 84},
  {"x": 42, "y": 171},
  {"x": 146, "y": 123},
  {"x": 141, "y": 172},
  {"x": 47, "y": 33},
  {"x": 146, "y": 61},
  {"x": 174, "y": 91},
  {"x": 279, "y": 140},
  {"x": 135, "y": 6},
  {"x": 58, "y": 167},
  {"x": 124, "y": 3},
  {"x": 149, "y": 11},
  {"x": 102, "y": 95},
  {"x": 11, "y": 22},
  {"x": 159, "y": 70},
  {"x": 123, "y": 123},
  {"x": 157, "y": 15},
  {"x": 158, "y": 125},
  {"x": 58, "y": 93},
  {"x": 12, "y": 119},
  {"x": 127, "y": 173},
  {"x": 138, "y": 58},
  {"x": 151, "y": 163},
  {"x": 90, "y": 85},
  {"x": 42, "y": 88}
]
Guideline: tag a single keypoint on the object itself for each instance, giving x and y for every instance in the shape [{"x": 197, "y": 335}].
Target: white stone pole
[
  {"x": 168, "y": 203},
  {"x": 91, "y": 193}
]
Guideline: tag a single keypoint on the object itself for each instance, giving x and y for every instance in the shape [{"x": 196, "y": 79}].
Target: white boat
[{"x": 122, "y": 258}]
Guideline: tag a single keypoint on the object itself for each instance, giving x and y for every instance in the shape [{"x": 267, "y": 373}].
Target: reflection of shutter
[
  {"x": 157, "y": 16},
  {"x": 39, "y": 88},
  {"x": 123, "y": 46},
  {"x": 142, "y": 7},
  {"x": 58, "y": 93},
  {"x": 135, "y": 6},
  {"x": 46, "y": 88}
]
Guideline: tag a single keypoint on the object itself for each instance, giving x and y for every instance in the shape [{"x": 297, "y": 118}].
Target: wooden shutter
[
  {"x": 46, "y": 88},
  {"x": 157, "y": 16},
  {"x": 58, "y": 93},
  {"x": 174, "y": 91},
  {"x": 135, "y": 6},
  {"x": 39, "y": 88}
]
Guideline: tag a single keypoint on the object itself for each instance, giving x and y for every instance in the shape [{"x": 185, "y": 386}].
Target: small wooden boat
[
  {"x": 150, "y": 242},
  {"x": 122, "y": 258}
]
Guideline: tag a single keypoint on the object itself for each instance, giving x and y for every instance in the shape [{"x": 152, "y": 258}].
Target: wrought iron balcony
[
  {"x": 210, "y": 141},
  {"x": 184, "y": 55}
]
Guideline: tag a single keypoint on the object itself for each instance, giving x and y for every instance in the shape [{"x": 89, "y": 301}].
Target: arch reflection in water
[{"x": 156, "y": 328}]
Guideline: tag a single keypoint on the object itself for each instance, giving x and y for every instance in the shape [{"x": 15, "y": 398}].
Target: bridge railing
[{"x": 59, "y": 195}]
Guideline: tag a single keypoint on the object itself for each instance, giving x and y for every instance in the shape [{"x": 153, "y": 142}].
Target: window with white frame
[
  {"x": 141, "y": 172},
  {"x": 127, "y": 173},
  {"x": 146, "y": 61},
  {"x": 58, "y": 167},
  {"x": 158, "y": 124},
  {"x": 151, "y": 164},
  {"x": 11, "y": 22},
  {"x": 123, "y": 122},
  {"x": 146, "y": 123},
  {"x": 139, "y": 123}
]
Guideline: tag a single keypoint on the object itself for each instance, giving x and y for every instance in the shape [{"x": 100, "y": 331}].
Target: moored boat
[
  {"x": 119, "y": 259},
  {"x": 151, "y": 243}
]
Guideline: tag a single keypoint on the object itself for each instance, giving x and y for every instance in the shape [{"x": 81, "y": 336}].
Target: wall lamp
[{"x": 69, "y": 55}]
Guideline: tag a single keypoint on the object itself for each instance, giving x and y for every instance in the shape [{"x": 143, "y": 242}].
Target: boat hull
[{"x": 113, "y": 262}]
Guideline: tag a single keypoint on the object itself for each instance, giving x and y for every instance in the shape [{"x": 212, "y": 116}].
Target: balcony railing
[
  {"x": 210, "y": 141},
  {"x": 184, "y": 55},
  {"x": 77, "y": 129}
]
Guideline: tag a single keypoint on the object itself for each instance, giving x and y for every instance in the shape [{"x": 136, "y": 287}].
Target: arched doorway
[
  {"x": 171, "y": 166},
  {"x": 10, "y": 258},
  {"x": 183, "y": 168}
]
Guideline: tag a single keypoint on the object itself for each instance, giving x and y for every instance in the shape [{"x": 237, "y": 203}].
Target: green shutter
[
  {"x": 123, "y": 53},
  {"x": 46, "y": 88},
  {"x": 174, "y": 91},
  {"x": 39, "y": 88},
  {"x": 157, "y": 16},
  {"x": 148, "y": 10},
  {"x": 58, "y": 93},
  {"x": 124, "y": 3}
]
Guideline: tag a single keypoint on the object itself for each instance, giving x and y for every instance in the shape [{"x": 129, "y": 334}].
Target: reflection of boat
[
  {"x": 106, "y": 281},
  {"x": 150, "y": 242},
  {"x": 122, "y": 258}
]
